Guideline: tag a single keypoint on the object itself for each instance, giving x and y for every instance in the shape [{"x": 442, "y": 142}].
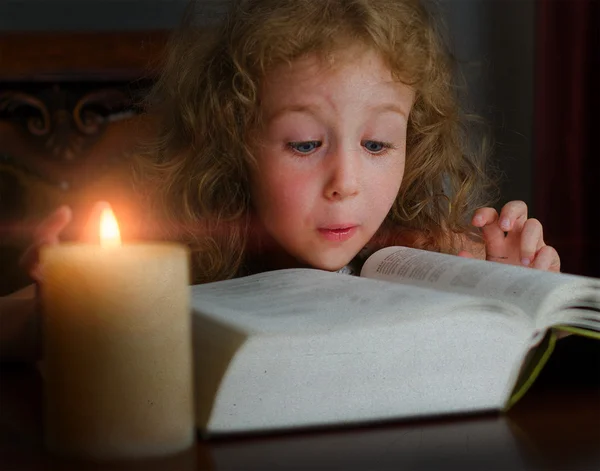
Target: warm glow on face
[{"x": 109, "y": 229}]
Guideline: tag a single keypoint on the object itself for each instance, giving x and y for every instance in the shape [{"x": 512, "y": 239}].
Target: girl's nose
[{"x": 343, "y": 175}]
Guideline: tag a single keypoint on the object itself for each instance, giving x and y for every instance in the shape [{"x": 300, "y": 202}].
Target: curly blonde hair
[{"x": 207, "y": 103}]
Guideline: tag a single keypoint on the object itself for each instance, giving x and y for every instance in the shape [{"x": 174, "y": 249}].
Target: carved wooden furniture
[{"x": 69, "y": 106}]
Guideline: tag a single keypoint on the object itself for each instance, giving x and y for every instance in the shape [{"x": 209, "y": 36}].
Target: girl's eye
[
  {"x": 376, "y": 147},
  {"x": 304, "y": 147}
]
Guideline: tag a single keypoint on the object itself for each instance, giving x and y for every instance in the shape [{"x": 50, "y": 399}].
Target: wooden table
[{"x": 555, "y": 426}]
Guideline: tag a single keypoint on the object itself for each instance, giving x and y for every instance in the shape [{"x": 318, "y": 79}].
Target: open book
[{"x": 418, "y": 334}]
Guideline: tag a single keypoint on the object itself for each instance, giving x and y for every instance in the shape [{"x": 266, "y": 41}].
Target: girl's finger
[
  {"x": 487, "y": 219},
  {"x": 29, "y": 261},
  {"x": 52, "y": 225},
  {"x": 484, "y": 216},
  {"x": 465, "y": 254},
  {"x": 547, "y": 259},
  {"x": 532, "y": 239},
  {"x": 512, "y": 216},
  {"x": 46, "y": 233}
]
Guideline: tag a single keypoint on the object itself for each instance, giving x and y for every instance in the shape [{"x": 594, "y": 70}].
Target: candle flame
[{"x": 109, "y": 229}]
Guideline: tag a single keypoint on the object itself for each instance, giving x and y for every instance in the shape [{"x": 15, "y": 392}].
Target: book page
[
  {"x": 305, "y": 301},
  {"x": 532, "y": 290}
]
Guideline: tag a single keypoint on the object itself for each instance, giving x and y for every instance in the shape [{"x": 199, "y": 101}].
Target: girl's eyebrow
[
  {"x": 293, "y": 108},
  {"x": 391, "y": 107},
  {"x": 313, "y": 110}
]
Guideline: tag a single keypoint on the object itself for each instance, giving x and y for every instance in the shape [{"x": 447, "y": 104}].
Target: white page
[
  {"x": 532, "y": 290},
  {"x": 304, "y": 301}
]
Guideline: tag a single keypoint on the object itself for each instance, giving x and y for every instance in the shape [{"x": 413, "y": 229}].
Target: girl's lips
[{"x": 337, "y": 234}]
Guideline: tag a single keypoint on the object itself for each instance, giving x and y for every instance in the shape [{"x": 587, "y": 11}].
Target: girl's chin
[
  {"x": 274, "y": 256},
  {"x": 329, "y": 263}
]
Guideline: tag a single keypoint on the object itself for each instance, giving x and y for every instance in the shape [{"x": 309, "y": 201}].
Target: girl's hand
[
  {"x": 512, "y": 238},
  {"x": 49, "y": 230},
  {"x": 20, "y": 311},
  {"x": 46, "y": 233}
]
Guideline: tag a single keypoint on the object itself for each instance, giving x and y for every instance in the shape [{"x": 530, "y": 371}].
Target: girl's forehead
[
  {"x": 356, "y": 76},
  {"x": 358, "y": 63},
  {"x": 331, "y": 59}
]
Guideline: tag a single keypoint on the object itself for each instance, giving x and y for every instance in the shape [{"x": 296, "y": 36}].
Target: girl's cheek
[
  {"x": 293, "y": 192},
  {"x": 294, "y": 186}
]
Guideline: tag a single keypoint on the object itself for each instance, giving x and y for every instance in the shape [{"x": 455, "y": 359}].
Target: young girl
[{"x": 309, "y": 133}]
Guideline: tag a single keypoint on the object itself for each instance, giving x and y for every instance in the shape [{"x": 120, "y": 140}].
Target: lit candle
[{"x": 117, "y": 347}]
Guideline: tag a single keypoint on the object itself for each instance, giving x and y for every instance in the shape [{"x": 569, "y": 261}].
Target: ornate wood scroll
[
  {"x": 62, "y": 146},
  {"x": 54, "y": 134}
]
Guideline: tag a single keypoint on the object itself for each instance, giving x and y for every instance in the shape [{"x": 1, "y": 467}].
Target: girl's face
[{"x": 330, "y": 157}]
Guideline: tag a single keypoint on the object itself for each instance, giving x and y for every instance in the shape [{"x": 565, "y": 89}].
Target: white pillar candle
[{"x": 117, "y": 348}]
